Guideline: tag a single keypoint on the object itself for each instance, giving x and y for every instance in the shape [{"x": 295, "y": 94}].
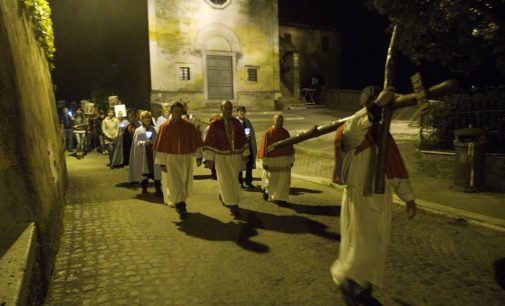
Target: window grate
[
  {"x": 184, "y": 73},
  {"x": 252, "y": 74}
]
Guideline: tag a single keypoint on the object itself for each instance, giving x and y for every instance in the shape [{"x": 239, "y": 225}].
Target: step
[{"x": 17, "y": 263}]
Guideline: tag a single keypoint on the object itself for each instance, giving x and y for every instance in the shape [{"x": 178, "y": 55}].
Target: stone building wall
[
  {"x": 182, "y": 34},
  {"x": 319, "y": 53},
  {"x": 32, "y": 165},
  {"x": 340, "y": 99}
]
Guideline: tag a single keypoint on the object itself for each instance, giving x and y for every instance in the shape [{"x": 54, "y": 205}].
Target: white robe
[
  {"x": 277, "y": 180},
  {"x": 228, "y": 167},
  {"x": 365, "y": 222},
  {"x": 117, "y": 155},
  {"x": 138, "y": 159},
  {"x": 160, "y": 121},
  {"x": 177, "y": 182}
]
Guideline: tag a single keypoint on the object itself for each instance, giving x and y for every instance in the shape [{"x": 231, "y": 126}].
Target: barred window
[
  {"x": 184, "y": 73},
  {"x": 252, "y": 74}
]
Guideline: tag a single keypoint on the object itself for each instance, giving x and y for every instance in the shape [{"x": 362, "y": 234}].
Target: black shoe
[
  {"x": 157, "y": 187},
  {"x": 235, "y": 211},
  {"x": 369, "y": 301},
  {"x": 183, "y": 215},
  {"x": 349, "y": 300},
  {"x": 355, "y": 295},
  {"x": 283, "y": 203},
  {"x": 265, "y": 195},
  {"x": 181, "y": 209},
  {"x": 250, "y": 186}
]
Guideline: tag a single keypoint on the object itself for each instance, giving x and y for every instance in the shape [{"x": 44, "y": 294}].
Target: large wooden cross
[
  {"x": 419, "y": 97},
  {"x": 387, "y": 115}
]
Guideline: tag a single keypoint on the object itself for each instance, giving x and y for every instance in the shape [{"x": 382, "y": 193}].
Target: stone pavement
[{"x": 120, "y": 247}]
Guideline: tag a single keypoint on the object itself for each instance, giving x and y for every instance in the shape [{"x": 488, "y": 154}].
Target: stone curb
[
  {"x": 16, "y": 267},
  {"x": 453, "y": 213},
  {"x": 318, "y": 153}
]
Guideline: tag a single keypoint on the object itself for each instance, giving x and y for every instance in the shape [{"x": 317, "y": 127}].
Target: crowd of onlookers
[
  {"x": 98, "y": 129},
  {"x": 111, "y": 133}
]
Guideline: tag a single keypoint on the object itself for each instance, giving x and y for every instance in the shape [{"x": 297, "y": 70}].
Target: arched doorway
[{"x": 219, "y": 47}]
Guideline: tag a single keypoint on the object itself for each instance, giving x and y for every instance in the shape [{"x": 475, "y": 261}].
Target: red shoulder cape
[
  {"x": 218, "y": 142},
  {"x": 271, "y": 136},
  {"x": 177, "y": 137}
]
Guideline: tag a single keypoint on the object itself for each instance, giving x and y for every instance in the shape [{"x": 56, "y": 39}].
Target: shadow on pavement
[
  {"x": 200, "y": 177},
  {"x": 133, "y": 186},
  {"x": 325, "y": 210},
  {"x": 149, "y": 197},
  {"x": 298, "y": 191},
  {"x": 9, "y": 236},
  {"x": 287, "y": 224},
  {"x": 205, "y": 227},
  {"x": 257, "y": 188},
  {"x": 402, "y": 303}
]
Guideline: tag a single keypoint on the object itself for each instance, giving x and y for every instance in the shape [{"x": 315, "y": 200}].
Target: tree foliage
[
  {"x": 39, "y": 13},
  {"x": 462, "y": 35}
]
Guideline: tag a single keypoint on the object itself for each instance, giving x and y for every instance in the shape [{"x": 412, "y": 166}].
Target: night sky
[
  {"x": 365, "y": 40},
  {"x": 103, "y": 44}
]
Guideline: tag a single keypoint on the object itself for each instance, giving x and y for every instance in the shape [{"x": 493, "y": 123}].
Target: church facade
[{"x": 207, "y": 51}]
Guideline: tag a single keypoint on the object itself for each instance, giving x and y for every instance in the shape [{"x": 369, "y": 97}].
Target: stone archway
[{"x": 220, "y": 31}]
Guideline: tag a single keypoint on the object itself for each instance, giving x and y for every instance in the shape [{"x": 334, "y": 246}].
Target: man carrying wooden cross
[{"x": 365, "y": 217}]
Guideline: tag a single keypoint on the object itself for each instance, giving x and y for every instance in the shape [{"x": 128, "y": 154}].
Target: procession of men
[
  {"x": 365, "y": 215},
  {"x": 228, "y": 146}
]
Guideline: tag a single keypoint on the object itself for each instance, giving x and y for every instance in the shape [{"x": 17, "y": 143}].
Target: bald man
[
  {"x": 276, "y": 164},
  {"x": 226, "y": 147}
]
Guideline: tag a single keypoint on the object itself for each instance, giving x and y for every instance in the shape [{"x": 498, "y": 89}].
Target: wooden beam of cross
[
  {"x": 399, "y": 102},
  {"x": 387, "y": 115},
  {"x": 421, "y": 97}
]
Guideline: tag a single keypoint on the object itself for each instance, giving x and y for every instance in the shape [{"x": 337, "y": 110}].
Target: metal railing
[{"x": 437, "y": 128}]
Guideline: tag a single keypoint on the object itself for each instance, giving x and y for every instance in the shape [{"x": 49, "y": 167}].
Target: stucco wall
[
  {"x": 340, "y": 99},
  {"x": 314, "y": 61},
  {"x": 32, "y": 165},
  {"x": 181, "y": 33}
]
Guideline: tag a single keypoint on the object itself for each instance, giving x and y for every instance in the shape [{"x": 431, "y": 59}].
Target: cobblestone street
[{"x": 120, "y": 247}]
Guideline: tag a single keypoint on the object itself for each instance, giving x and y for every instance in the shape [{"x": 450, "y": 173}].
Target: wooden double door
[{"x": 219, "y": 77}]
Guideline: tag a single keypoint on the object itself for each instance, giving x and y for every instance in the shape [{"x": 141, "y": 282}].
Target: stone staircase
[{"x": 288, "y": 101}]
